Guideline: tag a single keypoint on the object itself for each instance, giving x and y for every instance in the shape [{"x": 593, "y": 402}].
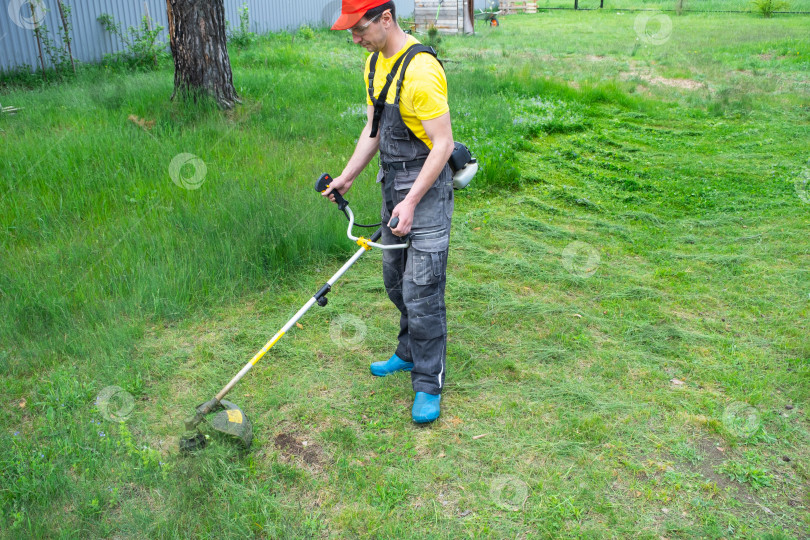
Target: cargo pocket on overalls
[
  {"x": 426, "y": 317},
  {"x": 425, "y": 299},
  {"x": 404, "y": 180},
  {"x": 450, "y": 203},
  {"x": 427, "y": 267},
  {"x": 431, "y": 241}
]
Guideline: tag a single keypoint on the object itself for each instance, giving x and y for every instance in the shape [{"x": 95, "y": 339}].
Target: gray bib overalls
[{"x": 415, "y": 278}]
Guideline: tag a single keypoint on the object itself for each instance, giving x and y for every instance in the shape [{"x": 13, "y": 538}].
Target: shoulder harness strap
[
  {"x": 372, "y": 69},
  {"x": 413, "y": 51},
  {"x": 404, "y": 60}
]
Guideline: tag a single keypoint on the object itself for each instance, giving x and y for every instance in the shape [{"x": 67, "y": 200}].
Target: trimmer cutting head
[
  {"x": 229, "y": 419},
  {"x": 234, "y": 422}
]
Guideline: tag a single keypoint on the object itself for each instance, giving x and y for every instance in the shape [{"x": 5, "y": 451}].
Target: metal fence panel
[{"x": 18, "y": 45}]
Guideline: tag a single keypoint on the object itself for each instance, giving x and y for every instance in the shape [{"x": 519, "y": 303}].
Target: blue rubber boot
[
  {"x": 392, "y": 365},
  {"x": 426, "y": 407}
]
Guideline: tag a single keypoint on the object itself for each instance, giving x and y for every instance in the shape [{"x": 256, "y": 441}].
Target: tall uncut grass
[{"x": 96, "y": 232}]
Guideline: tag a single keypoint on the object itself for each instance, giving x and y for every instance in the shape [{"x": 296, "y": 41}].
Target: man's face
[{"x": 372, "y": 33}]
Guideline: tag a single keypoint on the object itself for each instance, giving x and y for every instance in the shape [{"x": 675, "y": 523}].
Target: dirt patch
[
  {"x": 311, "y": 453},
  {"x": 640, "y": 89},
  {"x": 595, "y": 58},
  {"x": 765, "y": 56},
  {"x": 714, "y": 454},
  {"x": 489, "y": 54},
  {"x": 747, "y": 72},
  {"x": 684, "y": 84}
]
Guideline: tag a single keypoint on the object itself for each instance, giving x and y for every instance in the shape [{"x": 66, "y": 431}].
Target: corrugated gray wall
[{"x": 18, "y": 46}]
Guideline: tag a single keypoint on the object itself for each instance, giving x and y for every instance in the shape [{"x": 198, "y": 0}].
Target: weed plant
[
  {"x": 58, "y": 53},
  {"x": 141, "y": 46},
  {"x": 241, "y": 36},
  {"x": 767, "y": 8}
]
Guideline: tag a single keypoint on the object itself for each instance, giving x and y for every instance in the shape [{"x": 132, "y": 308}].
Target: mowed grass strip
[{"x": 626, "y": 293}]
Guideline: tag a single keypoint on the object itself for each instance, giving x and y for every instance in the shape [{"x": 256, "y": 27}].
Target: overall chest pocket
[
  {"x": 399, "y": 144},
  {"x": 400, "y": 134}
]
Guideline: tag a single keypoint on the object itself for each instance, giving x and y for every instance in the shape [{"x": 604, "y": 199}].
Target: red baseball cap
[{"x": 353, "y": 10}]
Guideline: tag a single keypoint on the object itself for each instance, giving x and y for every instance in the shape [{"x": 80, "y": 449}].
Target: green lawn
[{"x": 627, "y": 295}]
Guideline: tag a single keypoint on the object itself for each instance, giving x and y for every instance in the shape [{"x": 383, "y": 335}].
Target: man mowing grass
[{"x": 409, "y": 124}]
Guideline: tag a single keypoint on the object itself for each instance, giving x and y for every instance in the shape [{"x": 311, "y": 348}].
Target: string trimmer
[{"x": 231, "y": 420}]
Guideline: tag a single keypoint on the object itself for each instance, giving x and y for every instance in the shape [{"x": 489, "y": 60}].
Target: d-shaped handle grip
[{"x": 323, "y": 184}]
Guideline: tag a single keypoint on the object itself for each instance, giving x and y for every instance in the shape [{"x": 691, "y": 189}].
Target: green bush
[
  {"x": 768, "y": 7},
  {"x": 306, "y": 32},
  {"x": 142, "y": 48},
  {"x": 434, "y": 39},
  {"x": 242, "y": 36},
  {"x": 58, "y": 53}
]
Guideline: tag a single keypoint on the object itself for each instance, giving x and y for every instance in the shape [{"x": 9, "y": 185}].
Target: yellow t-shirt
[{"x": 424, "y": 90}]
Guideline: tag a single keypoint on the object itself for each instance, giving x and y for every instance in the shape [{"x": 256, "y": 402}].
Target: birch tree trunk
[
  {"x": 469, "y": 17},
  {"x": 199, "y": 48}
]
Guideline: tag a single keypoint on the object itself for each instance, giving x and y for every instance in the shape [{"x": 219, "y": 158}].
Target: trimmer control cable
[{"x": 323, "y": 184}]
